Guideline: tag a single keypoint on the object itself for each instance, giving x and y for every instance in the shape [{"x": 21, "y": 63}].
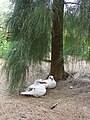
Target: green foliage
[
  {"x": 85, "y": 25},
  {"x": 4, "y": 45},
  {"x": 30, "y": 25},
  {"x": 76, "y": 36},
  {"x": 16, "y": 65}
]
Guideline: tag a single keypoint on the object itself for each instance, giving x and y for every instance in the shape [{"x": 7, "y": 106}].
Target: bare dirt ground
[{"x": 70, "y": 100}]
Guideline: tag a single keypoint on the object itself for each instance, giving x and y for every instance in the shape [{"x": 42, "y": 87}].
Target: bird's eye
[{"x": 51, "y": 78}]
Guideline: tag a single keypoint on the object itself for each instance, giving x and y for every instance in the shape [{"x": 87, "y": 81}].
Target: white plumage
[
  {"x": 35, "y": 89},
  {"x": 48, "y": 83},
  {"x": 42, "y": 82},
  {"x": 51, "y": 83},
  {"x": 39, "y": 87}
]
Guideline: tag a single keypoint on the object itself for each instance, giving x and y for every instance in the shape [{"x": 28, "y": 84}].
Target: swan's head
[
  {"x": 38, "y": 81},
  {"x": 51, "y": 77}
]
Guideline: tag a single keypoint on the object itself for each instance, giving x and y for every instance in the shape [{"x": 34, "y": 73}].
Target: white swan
[
  {"x": 51, "y": 83},
  {"x": 35, "y": 90},
  {"x": 48, "y": 83},
  {"x": 42, "y": 82}
]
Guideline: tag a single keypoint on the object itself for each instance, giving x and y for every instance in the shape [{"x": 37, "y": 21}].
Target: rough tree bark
[{"x": 57, "y": 61}]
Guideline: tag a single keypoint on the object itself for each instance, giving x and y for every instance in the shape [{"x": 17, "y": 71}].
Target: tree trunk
[{"x": 57, "y": 62}]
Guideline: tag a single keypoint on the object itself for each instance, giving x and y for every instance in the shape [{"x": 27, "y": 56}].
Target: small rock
[{"x": 71, "y": 87}]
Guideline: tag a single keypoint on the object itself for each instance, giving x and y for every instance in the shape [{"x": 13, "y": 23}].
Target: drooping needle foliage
[
  {"x": 31, "y": 28},
  {"x": 30, "y": 25},
  {"x": 77, "y": 30}
]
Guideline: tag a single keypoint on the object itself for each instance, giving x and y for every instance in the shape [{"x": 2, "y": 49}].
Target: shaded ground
[{"x": 70, "y": 100}]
